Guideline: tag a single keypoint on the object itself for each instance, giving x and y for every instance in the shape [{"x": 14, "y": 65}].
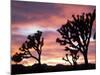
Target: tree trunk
[
  {"x": 85, "y": 58},
  {"x": 39, "y": 61}
]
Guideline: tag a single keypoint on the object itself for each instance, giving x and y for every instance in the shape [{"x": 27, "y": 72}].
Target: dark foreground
[{"x": 20, "y": 69}]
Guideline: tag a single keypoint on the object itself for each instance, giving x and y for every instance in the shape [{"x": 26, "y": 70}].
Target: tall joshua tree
[
  {"x": 34, "y": 42},
  {"x": 76, "y": 33}
]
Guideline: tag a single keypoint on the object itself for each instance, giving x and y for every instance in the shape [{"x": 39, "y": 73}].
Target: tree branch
[{"x": 32, "y": 55}]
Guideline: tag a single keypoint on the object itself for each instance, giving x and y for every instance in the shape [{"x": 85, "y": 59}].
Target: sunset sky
[{"x": 28, "y": 17}]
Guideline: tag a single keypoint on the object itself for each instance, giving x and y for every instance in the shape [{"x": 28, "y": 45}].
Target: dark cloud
[
  {"x": 45, "y": 14},
  {"x": 27, "y": 11}
]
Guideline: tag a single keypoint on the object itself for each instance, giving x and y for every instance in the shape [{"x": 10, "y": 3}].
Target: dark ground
[{"x": 20, "y": 69}]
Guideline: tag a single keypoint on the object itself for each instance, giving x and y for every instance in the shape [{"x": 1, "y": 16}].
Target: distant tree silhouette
[
  {"x": 34, "y": 42},
  {"x": 17, "y": 57},
  {"x": 67, "y": 59},
  {"x": 74, "y": 55},
  {"x": 76, "y": 33}
]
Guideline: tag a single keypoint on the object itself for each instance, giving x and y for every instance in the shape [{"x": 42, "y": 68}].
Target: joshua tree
[
  {"x": 34, "y": 42},
  {"x": 76, "y": 33},
  {"x": 67, "y": 59},
  {"x": 74, "y": 55}
]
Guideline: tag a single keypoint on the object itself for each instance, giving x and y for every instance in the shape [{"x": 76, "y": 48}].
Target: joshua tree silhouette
[
  {"x": 67, "y": 59},
  {"x": 34, "y": 42},
  {"x": 77, "y": 33},
  {"x": 74, "y": 55}
]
